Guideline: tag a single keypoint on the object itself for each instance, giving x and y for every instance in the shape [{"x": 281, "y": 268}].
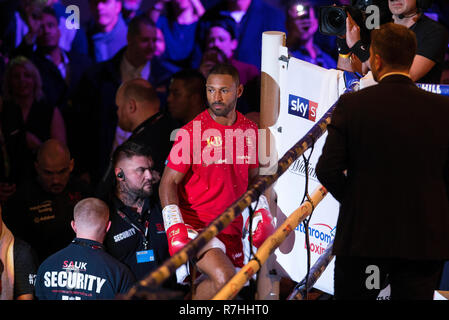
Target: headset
[{"x": 121, "y": 174}]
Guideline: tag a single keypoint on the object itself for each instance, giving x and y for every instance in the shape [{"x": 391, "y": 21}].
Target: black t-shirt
[
  {"x": 155, "y": 132},
  {"x": 125, "y": 238},
  {"x": 16, "y": 160},
  {"x": 82, "y": 271},
  {"x": 432, "y": 39},
  {"x": 25, "y": 267},
  {"x": 42, "y": 219}
]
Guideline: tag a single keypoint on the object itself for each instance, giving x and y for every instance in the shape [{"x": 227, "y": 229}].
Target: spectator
[
  {"x": 131, "y": 9},
  {"x": 85, "y": 258},
  {"x": 178, "y": 24},
  {"x": 137, "y": 236},
  {"x": 19, "y": 266},
  {"x": 41, "y": 209},
  {"x": 23, "y": 90},
  {"x": 221, "y": 35},
  {"x": 60, "y": 70},
  {"x": 100, "y": 131},
  {"x": 16, "y": 161},
  {"x": 210, "y": 58},
  {"x": 253, "y": 17},
  {"x": 71, "y": 39},
  {"x": 107, "y": 31},
  {"x": 302, "y": 25},
  {"x": 186, "y": 98},
  {"x": 160, "y": 43},
  {"x": 21, "y": 22}
]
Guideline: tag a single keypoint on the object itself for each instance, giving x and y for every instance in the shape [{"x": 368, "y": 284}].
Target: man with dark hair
[
  {"x": 222, "y": 35},
  {"x": 84, "y": 271},
  {"x": 210, "y": 166},
  {"x": 100, "y": 132},
  {"x": 107, "y": 30},
  {"x": 186, "y": 98},
  {"x": 302, "y": 27},
  {"x": 131, "y": 9},
  {"x": 372, "y": 141},
  {"x": 136, "y": 237},
  {"x": 252, "y": 18}
]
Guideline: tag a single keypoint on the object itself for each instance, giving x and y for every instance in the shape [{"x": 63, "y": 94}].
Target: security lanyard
[{"x": 144, "y": 234}]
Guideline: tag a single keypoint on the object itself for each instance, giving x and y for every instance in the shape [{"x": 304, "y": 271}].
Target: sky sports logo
[{"x": 302, "y": 107}]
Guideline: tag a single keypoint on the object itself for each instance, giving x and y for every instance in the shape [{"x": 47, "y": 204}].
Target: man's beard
[
  {"x": 224, "y": 111},
  {"x": 133, "y": 195}
]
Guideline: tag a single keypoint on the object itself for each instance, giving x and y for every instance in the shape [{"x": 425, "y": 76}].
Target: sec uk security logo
[{"x": 302, "y": 107}]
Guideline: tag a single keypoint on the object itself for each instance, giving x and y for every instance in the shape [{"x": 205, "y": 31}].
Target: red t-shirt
[{"x": 216, "y": 160}]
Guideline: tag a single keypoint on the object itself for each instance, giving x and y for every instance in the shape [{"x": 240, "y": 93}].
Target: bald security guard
[{"x": 83, "y": 270}]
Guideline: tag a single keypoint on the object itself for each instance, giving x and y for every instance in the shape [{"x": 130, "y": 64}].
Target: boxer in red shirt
[{"x": 212, "y": 161}]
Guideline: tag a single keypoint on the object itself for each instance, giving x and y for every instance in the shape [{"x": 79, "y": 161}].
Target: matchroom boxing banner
[{"x": 307, "y": 91}]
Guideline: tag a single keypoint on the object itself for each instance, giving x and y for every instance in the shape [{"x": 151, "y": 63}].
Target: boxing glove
[
  {"x": 191, "y": 233},
  {"x": 263, "y": 224},
  {"x": 176, "y": 230}
]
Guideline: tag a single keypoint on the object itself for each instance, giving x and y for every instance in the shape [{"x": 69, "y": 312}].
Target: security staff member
[
  {"x": 137, "y": 236},
  {"x": 83, "y": 270},
  {"x": 42, "y": 208}
]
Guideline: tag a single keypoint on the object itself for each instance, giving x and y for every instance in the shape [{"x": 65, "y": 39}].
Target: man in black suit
[
  {"x": 99, "y": 130},
  {"x": 386, "y": 161},
  {"x": 139, "y": 113}
]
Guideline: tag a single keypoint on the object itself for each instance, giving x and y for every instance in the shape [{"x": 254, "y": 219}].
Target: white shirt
[
  {"x": 63, "y": 65},
  {"x": 237, "y": 15},
  {"x": 129, "y": 72}
]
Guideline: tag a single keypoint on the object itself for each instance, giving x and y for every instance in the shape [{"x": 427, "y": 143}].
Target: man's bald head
[
  {"x": 53, "y": 166},
  {"x": 140, "y": 90},
  {"x": 136, "y": 100},
  {"x": 91, "y": 219},
  {"x": 51, "y": 149}
]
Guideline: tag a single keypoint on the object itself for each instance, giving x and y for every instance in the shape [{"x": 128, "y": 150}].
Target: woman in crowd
[{"x": 24, "y": 103}]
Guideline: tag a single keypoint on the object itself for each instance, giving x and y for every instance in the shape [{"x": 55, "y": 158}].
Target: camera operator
[
  {"x": 302, "y": 24},
  {"x": 431, "y": 36}
]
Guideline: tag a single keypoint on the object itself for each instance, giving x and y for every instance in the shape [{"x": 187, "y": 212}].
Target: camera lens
[
  {"x": 332, "y": 20},
  {"x": 336, "y": 19}
]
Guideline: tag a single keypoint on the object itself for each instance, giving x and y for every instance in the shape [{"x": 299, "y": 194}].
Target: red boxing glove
[
  {"x": 263, "y": 224},
  {"x": 191, "y": 233},
  {"x": 176, "y": 230}
]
